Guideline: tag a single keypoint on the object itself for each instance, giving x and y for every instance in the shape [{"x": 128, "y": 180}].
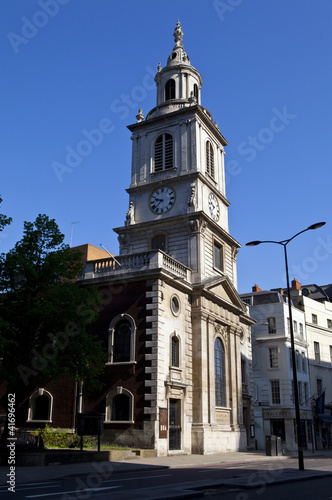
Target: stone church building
[{"x": 178, "y": 376}]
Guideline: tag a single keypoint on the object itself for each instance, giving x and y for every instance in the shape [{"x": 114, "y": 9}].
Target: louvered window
[
  {"x": 209, "y": 159},
  {"x": 158, "y": 154},
  {"x": 163, "y": 153},
  {"x": 170, "y": 90}
]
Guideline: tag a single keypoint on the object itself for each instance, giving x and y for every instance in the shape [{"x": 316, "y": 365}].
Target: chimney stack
[
  {"x": 256, "y": 288},
  {"x": 296, "y": 285}
]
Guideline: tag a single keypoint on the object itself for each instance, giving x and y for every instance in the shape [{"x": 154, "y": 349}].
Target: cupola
[{"x": 178, "y": 83}]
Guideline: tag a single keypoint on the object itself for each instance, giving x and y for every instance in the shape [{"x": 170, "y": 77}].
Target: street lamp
[{"x": 284, "y": 243}]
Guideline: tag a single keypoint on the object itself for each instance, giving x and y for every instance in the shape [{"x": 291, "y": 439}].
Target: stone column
[
  {"x": 233, "y": 377},
  {"x": 200, "y": 381}
]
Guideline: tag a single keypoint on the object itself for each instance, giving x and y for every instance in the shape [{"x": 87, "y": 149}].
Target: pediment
[{"x": 223, "y": 287}]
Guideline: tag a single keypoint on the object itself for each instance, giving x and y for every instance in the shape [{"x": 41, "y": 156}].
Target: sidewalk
[{"x": 315, "y": 464}]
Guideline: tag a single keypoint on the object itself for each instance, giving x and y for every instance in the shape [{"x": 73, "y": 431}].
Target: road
[
  {"x": 249, "y": 481},
  {"x": 305, "y": 490}
]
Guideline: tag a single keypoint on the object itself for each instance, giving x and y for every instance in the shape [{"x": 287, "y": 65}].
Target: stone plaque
[
  {"x": 222, "y": 417},
  {"x": 163, "y": 423}
]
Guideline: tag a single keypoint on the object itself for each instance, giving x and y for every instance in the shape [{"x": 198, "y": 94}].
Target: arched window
[
  {"x": 122, "y": 339},
  {"x": 163, "y": 153},
  {"x": 175, "y": 351},
  {"x": 219, "y": 373},
  {"x": 119, "y": 406},
  {"x": 196, "y": 90},
  {"x": 209, "y": 159},
  {"x": 40, "y": 406},
  {"x": 158, "y": 242},
  {"x": 170, "y": 90}
]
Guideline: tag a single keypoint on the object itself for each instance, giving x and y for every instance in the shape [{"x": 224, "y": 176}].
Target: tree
[
  {"x": 44, "y": 312},
  {"x": 4, "y": 220}
]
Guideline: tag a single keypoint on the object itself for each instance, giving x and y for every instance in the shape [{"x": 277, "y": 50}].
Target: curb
[{"x": 135, "y": 466}]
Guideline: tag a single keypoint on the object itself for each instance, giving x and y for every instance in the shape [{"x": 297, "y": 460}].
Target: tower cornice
[
  {"x": 197, "y": 109},
  {"x": 168, "y": 221},
  {"x": 184, "y": 177}
]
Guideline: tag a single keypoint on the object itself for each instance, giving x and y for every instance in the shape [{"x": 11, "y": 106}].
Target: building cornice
[
  {"x": 197, "y": 109},
  {"x": 189, "y": 177},
  {"x": 177, "y": 218}
]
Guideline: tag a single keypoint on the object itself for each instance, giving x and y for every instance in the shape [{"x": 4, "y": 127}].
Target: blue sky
[{"x": 73, "y": 66}]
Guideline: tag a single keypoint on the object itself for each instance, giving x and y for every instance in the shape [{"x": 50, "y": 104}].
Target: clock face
[
  {"x": 162, "y": 200},
  {"x": 214, "y": 207}
]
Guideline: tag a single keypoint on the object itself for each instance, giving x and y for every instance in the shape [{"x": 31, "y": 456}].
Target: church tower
[
  {"x": 177, "y": 193},
  {"x": 178, "y": 334},
  {"x": 178, "y": 208}
]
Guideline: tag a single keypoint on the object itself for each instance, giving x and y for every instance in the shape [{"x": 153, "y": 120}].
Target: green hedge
[{"x": 56, "y": 438}]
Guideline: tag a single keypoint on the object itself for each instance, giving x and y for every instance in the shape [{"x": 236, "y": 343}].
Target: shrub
[{"x": 56, "y": 438}]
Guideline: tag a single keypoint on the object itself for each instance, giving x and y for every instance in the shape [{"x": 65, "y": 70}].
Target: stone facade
[{"x": 178, "y": 376}]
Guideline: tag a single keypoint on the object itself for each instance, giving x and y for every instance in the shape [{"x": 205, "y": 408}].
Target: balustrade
[{"x": 144, "y": 260}]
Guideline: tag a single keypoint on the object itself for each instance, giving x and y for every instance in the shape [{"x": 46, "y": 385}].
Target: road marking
[
  {"x": 28, "y": 485},
  {"x": 211, "y": 469},
  {"x": 44, "y": 495},
  {"x": 19, "y": 487},
  {"x": 134, "y": 478}
]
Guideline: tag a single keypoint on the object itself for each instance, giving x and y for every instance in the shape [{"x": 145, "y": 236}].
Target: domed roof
[{"x": 178, "y": 56}]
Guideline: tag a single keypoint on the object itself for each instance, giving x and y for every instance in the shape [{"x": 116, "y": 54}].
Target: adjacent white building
[
  {"x": 316, "y": 303},
  {"x": 274, "y": 411}
]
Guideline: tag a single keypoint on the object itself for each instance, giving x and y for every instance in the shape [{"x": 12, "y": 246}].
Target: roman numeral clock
[
  {"x": 214, "y": 207},
  {"x": 162, "y": 200}
]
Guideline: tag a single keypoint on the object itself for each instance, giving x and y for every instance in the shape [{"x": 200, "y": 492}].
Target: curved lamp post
[{"x": 284, "y": 243}]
